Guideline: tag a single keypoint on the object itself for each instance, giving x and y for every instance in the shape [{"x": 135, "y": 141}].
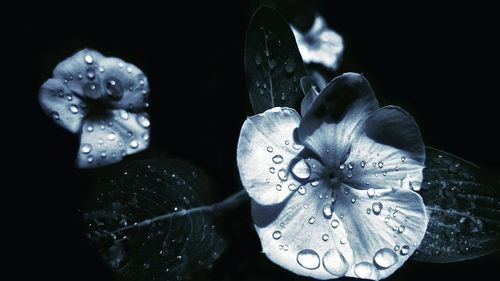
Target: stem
[{"x": 229, "y": 203}]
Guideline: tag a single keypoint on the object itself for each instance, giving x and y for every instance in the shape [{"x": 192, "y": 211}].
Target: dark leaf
[
  {"x": 463, "y": 204},
  {"x": 149, "y": 222},
  {"x": 273, "y": 64}
]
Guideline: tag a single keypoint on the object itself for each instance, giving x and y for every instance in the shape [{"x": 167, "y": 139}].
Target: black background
[{"x": 438, "y": 63}]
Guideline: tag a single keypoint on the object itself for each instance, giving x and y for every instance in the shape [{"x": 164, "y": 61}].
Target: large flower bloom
[
  {"x": 333, "y": 193},
  {"x": 102, "y": 99}
]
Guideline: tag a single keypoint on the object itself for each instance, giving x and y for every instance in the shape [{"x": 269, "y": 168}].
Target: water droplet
[
  {"x": 89, "y": 59},
  {"x": 343, "y": 240},
  {"x": 308, "y": 259},
  {"x": 415, "y": 185},
  {"x": 279, "y": 187},
  {"x": 370, "y": 192},
  {"x": 282, "y": 175},
  {"x": 90, "y": 159},
  {"x": 277, "y": 235},
  {"x": 353, "y": 199},
  {"x": 335, "y": 263},
  {"x": 103, "y": 154},
  {"x": 301, "y": 169},
  {"x": 123, "y": 114},
  {"x": 385, "y": 258},
  {"x": 290, "y": 65},
  {"x": 285, "y": 247},
  {"x": 90, "y": 74},
  {"x": 73, "y": 109},
  {"x": 350, "y": 166},
  {"x": 366, "y": 270},
  {"x": 405, "y": 250},
  {"x": 450, "y": 192},
  {"x": 258, "y": 59},
  {"x": 311, "y": 220},
  {"x": 278, "y": 159},
  {"x": 335, "y": 223},
  {"x": 315, "y": 182},
  {"x": 342, "y": 166},
  {"x": 325, "y": 237},
  {"x": 287, "y": 142},
  {"x": 272, "y": 63},
  {"x": 143, "y": 121},
  {"x": 349, "y": 174},
  {"x": 403, "y": 158},
  {"x": 272, "y": 170},
  {"x": 327, "y": 211},
  {"x": 55, "y": 115},
  {"x": 292, "y": 187},
  {"x": 269, "y": 149},
  {"x": 377, "y": 208},
  {"x": 111, "y": 136},
  {"x": 302, "y": 190},
  {"x": 86, "y": 148},
  {"x": 297, "y": 146},
  {"x": 397, "y": 168},
  {"x": 346, "y": 190},
  {"x": 380, "y": 165},
  {"x": 362, "y": 164},
  {"x": 401, "y": 228},
  {"x": 368, "y": 210}
]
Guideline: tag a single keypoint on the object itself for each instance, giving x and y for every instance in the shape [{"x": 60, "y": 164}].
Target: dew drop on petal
[
  {"x": 315, "y": 182},
  {"x": 55, "y": 115},
  {"x": 327, "y": 211},
  {"x": 292, "y": 187},
  {"x": 343, "y": 240},
  {"x": 277, "y": 159},
  {"x": 385, "y": 258},
  {"x": 403, "y": 158},
  {"x": 362, "y": 164},
  {"x": 269, "y": 149},
  {"x": 405, "y": 250},
  {"x": 370, "y": 192},
  {"x": 134, "y": 144},
  {"x": 123, "y": 114},
  {"x": 272, "y": 170},
  {"x": 111, "y": 136},
  {"x": 335, "y": 263},
  {"x": 308, "y": 259},
  {"x": 302, "y": 190},
  {"x": 277, "y": 235},
  {"x": 380, "y": 165},
  {"x": 143, "y": 121},
  {"x": 282, "y": 174},
  {"x": 279, "y": 187},
  {"x": 311, "y": 220},
  {"x": 377, "y": 208},
  {"x": 415, "y": 185},
  {"x": 90, "y": 128},
  {"x": 90, "y": 159},
  {"x": 73, "y": 109},
  {"x": 301, "y": 169},
  {"x": 325, "y": 237},
  {"x": 89, "y": 59},
  {"x": 335, "y": 223},
  {"x": 86, "y": 148},
  {"x": 401, "y": 228},
  {"x": 114, "y": 90},
  {"x": 103, "y": 154},
  {"x": 366, "y": 270}
]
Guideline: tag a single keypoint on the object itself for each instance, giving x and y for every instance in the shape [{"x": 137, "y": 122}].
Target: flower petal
[
  {"x": 108, "y": 139},
  {"x": 383, "y": 230},
  {"x": 389, "y": 152},
  {"x": 302, "y": 239},
  {"x": 328, "y": 125},
  {"x": 89, "y": 74},
  {"x": 320, "y": 44},
  {"x": 125, "y": 85},
  {"x": 65, "y": 108},
  {"x": 310, "y": 90},
  {"x": 80, "y": 73},
  {"x": 266, "y": 148}
]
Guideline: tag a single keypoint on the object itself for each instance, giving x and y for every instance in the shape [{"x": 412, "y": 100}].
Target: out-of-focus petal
[
  {"x": 65, "y": 108},
  {"x": 109, "y": 138}
]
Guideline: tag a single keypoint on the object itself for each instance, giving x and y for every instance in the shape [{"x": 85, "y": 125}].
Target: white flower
[
  {"x": 320, "y": 44},
  {"x": 333, "y": 193},
  {"x": 102, "y": 99}
]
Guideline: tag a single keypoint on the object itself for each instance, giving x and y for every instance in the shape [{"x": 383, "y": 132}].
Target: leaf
[
  {"x": 148, "y": 222},
  {"x": 273, "y": 65},
  {"x": 463, "y": 204}
]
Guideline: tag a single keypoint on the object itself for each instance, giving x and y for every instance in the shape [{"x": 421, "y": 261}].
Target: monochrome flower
[
  {"x": 103, "y": 100},
  {"x": 333, "y": 192},
  {"x": 320, "y": 44}
]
